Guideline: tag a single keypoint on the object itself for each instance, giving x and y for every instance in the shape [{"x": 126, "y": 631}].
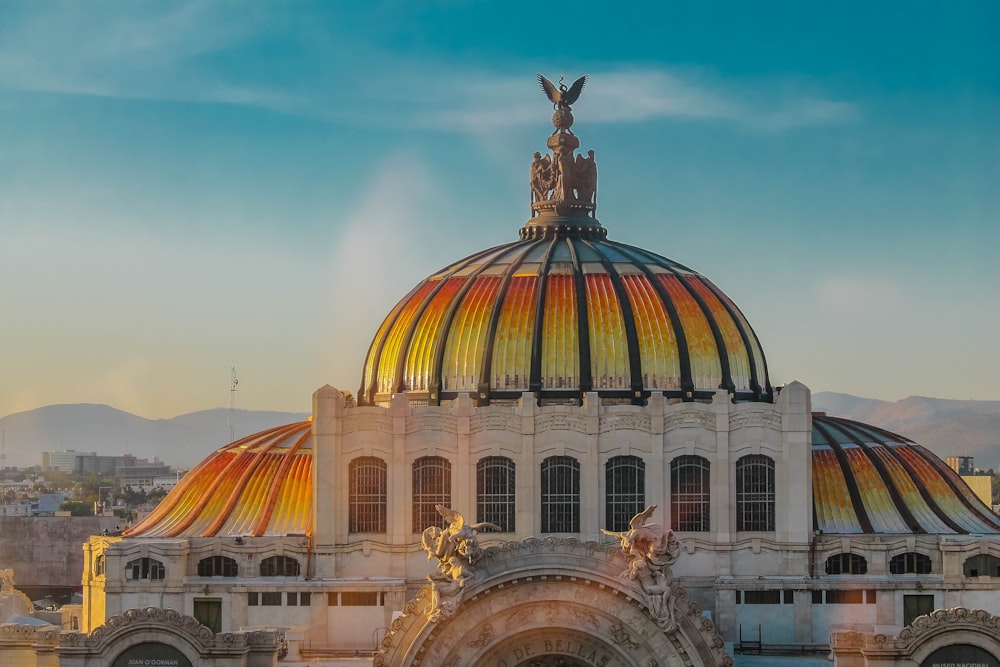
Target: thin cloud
[
  {"x": 200, "y": 53},
  {"x": 639, "y": 95}
]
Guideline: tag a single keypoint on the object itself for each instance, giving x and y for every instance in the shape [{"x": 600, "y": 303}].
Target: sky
[{"x": 185, "y": 186}]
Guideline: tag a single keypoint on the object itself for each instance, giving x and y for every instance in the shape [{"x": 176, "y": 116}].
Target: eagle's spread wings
[
  {"x": 550, "y": 89},
  {"x": 573, "y": 94}
]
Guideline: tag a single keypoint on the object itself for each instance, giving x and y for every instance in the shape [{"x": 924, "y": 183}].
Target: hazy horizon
[{"x": 186, "y": 185}]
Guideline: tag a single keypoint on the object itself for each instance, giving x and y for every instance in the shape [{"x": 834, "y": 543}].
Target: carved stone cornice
[
  {"x": 634, "y": 421},
  {"x": 200, "y": 637},
  {"x": 931, "y": 628},
  {"x": 498, "y": 421},
  {"x": 561, "y": 421}
]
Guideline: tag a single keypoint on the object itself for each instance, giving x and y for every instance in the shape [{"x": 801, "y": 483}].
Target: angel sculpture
[
  {"x": 456, "y": 550},
  {"x": 562, "y": 97},
  {"x": 651, "y": 550}
]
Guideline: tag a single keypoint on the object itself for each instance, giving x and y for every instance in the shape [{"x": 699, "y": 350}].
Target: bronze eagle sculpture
[{"x": 561, "y": 96}]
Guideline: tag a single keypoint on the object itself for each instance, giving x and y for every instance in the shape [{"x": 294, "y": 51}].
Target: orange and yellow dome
[
  {"x": 260, "y": 485},
  {"x": 868, "y": 480},
  {"x": 561, "y": 314}
]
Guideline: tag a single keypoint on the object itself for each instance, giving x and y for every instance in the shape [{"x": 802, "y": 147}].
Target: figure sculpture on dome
[
  {"x": 585, "y": 177},
  {"x": 456, "y": 550},
  {"x": 542, "y": 177},
  {"x": 651, "y": 550}
]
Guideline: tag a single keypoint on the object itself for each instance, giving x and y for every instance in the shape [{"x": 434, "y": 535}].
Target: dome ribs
[
  {"x": 628, "y": 321},
  {"x": 399, "y": 372},
  {"x": 264, "y": 518},
  {"x": 246, "y": 475},
  {"x": 582, "y": 323},
  {"x": 178, "y": 496},
  {"x": 369, "y": 374},
  {"x": 405, "y": 313},
  {"x": 491, "y": 328},
  {"x": 833, "y": 508},
  {"x": 958, "y": 485},
  {"x": 440, "y": 343},
  {"x": 860, "y": 436},
  {"x": 639, "y": 259},
  {"x": 535, "y": 377},
  {"x": 852, "y": 489},
  {"x": 754, "y": 354}
]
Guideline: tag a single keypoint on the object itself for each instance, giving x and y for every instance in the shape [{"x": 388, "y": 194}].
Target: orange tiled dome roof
[
  {"x": 868, "y": 480},
  {"x": 561, "y": 315},
  {"x": 260, "y": 485}
]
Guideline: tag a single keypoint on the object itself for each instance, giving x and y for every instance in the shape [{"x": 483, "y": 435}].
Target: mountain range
[
  {"x": 946, "y": 427},
  {"x": 181, "y": 441}
]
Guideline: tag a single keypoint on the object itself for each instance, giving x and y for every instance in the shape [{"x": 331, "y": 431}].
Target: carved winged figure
[
  {"x": 651, "y": 550},
  {"x": 453, "y": 544},
  {"x": 651, "y": 546},
  {"x": 561, "y": 96},
  {"x": 456, "y": 549}
]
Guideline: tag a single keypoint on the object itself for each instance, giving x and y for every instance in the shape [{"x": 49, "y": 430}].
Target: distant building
[
  {"x": 64, "y": 461},
  {"x": 980, "y": 481},
  {"x": 143, "y": 475},
  {"x": 48, "y": 503}
]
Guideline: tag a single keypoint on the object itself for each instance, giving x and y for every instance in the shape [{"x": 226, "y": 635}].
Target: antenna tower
[{"x": 232, "y": 403}]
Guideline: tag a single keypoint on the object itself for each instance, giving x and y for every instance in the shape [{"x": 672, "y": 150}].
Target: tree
[{"x": 77, "y": 508}]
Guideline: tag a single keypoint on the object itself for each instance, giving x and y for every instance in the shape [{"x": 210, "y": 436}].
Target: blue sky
[{"x": 188, "y": 184}]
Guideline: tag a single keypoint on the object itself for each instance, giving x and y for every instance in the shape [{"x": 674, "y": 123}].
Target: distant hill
[
  {"x": 946, "y": 427},
  {"x": 181, "y": 441}
]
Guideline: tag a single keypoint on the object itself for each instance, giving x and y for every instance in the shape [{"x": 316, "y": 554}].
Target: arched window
[
  {"x": 431, "y": 486},
  {"x": 144, "y": 568},
  {"x": 279, "y": 566},
  {"x": 99, "y": 564},
  {"x": 910, "y": 563},
  {"x": 846, "y": 564},
  {"x": 366, "y": 496},
  {"x": 560, "y": 495},
  {"x": 690, "y": 496},
  {"x": 983, "y": 565},
  {"x": 495, "y": 492},
  {"x": 625, "y": 491},
  {"x": 755, "y": 493},
  {"x": 217, "y": 566}
]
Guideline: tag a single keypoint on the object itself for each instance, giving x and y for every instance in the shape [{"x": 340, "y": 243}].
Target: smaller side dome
[
  {"x": 260, "y": 485},
  {"x": 869, "y": 480}
]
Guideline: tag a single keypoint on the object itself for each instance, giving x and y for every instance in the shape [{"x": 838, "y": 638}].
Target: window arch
[
  {"x": 755, "y": 493},
  {"x": 690, "y": 493},
  {"x": 217, "y": 566},
  {"x": 560, "y": 495},
  {"x": 982, "y": 565},
  {"x": 846, "y": 563},
  {"x": 625, "y": 491},
  {"x": 279, "y": 566},
  {"x": 366, "y": 498},
  {"x": 144, "y": 568},
  {"x": 431, "y": 486},
  {"x": 495, "y": 492},
  {"x": 910, "y": 562}
]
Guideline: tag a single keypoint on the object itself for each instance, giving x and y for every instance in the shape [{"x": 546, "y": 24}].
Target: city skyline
[{"x": 185, "y": 186}]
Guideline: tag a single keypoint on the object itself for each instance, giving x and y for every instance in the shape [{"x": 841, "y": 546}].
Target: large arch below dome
[{"x": 546, "y": 601}]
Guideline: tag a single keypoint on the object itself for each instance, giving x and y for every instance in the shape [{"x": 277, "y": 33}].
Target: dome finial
[{"x": 563, "y": 185}]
